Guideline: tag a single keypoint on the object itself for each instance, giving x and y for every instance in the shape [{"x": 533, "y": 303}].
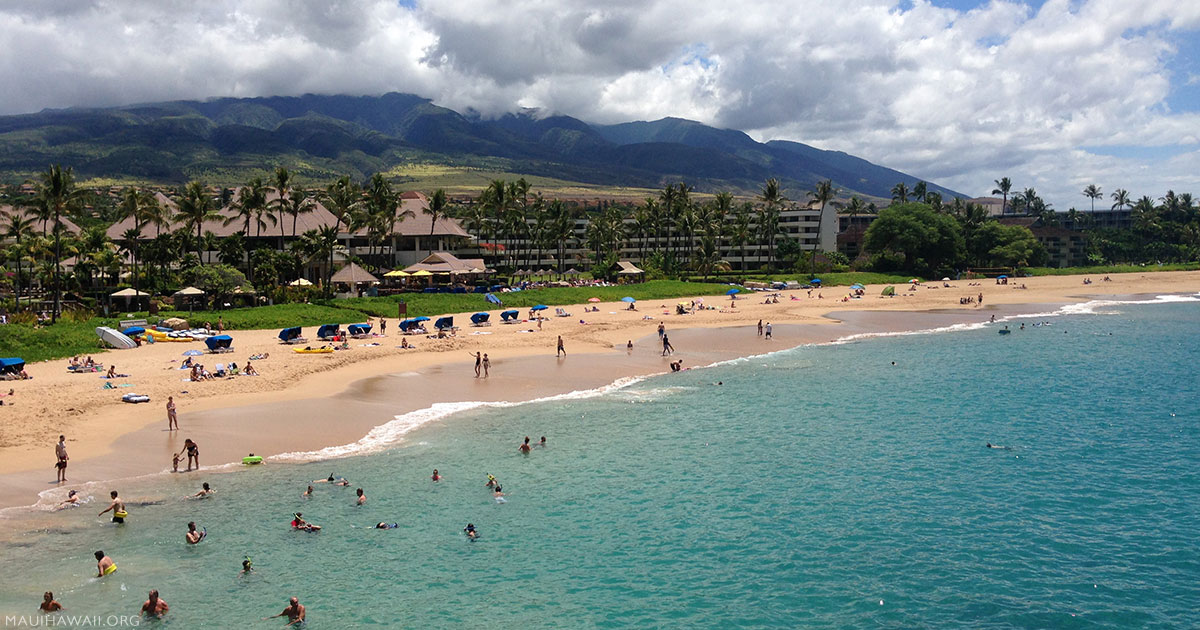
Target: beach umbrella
[
  {"x": 815, "y": 281},
  {"x": 628, "y": 299},
  {"x": 595, "y": 299},
  {"x": 733, "y": 290},
  {"x": 945, "y": 279},
  {"x": 193, "y": 353},
  {"x": 857, "y": 286},
  {"x": 914, "y": 281},
  {"x": 997, "y": 277},
  {"x": 300, "y": 282},
  {"x": 539, "y": 307},
  {"x": 889, "y": 291},
  {"x": 420, "y": 319}
]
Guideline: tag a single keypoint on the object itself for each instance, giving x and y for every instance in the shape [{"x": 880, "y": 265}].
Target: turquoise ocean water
[{"x": 819, "y": 487}]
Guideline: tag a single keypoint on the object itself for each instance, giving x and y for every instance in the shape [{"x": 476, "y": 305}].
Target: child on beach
[{"x": 175, "y": 462}]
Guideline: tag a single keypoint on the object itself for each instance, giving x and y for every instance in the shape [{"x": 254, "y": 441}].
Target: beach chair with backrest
[{"x": 559, "y": 312}]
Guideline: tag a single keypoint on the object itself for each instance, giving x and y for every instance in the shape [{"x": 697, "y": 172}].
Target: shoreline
[{"x": 362, "y": 394}]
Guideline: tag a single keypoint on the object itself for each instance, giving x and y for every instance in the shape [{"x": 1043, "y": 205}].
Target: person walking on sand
[
  {"x": 117, "y": 507},
  {"x": 193, "y": 454},
  {"x": 60, "y": 452},
  {"x": 667, "y": 347},
  {"x": 561, "y": 350},
  {"x": 172, "y": 419},
  {"x": 155, "y": 606},
  {"x": 478, "y": 363},
  {"x": 294, "y": 612},
  {"x": 486, "y": 365},
  {"x": 662, "y": 330},
  {"x": 768, "y": 329}
]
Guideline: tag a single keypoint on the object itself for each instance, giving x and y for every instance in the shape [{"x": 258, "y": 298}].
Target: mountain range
[{"x": 225, "y": 140}]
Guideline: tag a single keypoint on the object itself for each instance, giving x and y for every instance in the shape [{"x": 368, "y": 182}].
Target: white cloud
[{"x": 960, "y": 98}]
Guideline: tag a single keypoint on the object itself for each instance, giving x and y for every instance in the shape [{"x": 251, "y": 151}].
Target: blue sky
[{"x": 1055, "y": 94}]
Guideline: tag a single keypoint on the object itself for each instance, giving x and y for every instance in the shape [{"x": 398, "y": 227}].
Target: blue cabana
[
  {"x": 327, "y": 331},
  {"x": 133, "y": 330},
  {"x": 444, "y": 323},
  {"x": 479, "y": 319},
  {"x": 409, "y": 323},
  {"x": 219, "y": 342},
  {"x": 359, "y": 330},
  {"x": 288, "y": 335},
  {"x": 510, "y": 316},
  {"x": 12, "y": 365}
]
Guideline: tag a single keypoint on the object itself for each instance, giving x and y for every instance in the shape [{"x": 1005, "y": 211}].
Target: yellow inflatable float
[{"x": 312, "y": 350}]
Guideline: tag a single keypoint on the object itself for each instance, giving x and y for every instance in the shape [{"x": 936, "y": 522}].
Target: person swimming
[
  {"x": 387, "y": 526},
  {"x": 247, "y": 566},
  {"x": 436, "y": 476},
  {"x": 205, "y": 490},
  {"x": 299, "y": 523},
  {"x": 337, "y": 481},
  {"x": 525, "y": 448},
  {"x": 469, "y": 530},
  {"x": 72, "y": 499},
  {"x": 193, "y": 536},
  {"x": 104, "y": 565},
  {"x": 491, "y": 482}
]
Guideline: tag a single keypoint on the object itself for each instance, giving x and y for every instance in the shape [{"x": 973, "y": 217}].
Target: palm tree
[
  {"x": 282, "y": 188},
  {"x": 1003, "y": 186},
  {"x": 436, "y": 210},
  {"x": 17, "y": 227},
  {"x": 768, "y": 225},
  {"x": 56, "y": 193},
  {"x": 740, "y": 233},
  {"x": 900, "y": 193},
  {"x": 495, "y": 200},
  {"x": 919, "y": 191},
  {"x": 561, "y": 229},
  {"x": 822, "y": 194},
  {"x": 854, "y": 207},
  {"x": 298, "y": 203},
  {"x": 196, "y": 207},
  {"x": 1121, "y": 199},
  {"x": 132, "y": 238},
  {"x": 342, "y": 198},
  {"x": 142, "y": 208},
  {"x": 1092, "y": 192}
]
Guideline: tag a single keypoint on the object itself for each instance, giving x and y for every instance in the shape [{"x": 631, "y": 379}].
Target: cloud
[{"x": 957, "y": 97}]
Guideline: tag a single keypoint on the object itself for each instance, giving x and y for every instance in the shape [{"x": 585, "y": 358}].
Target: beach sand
[{"x": 308, "y": 402}]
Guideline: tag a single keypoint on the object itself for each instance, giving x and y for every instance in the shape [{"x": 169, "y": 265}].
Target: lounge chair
[{"x": 558, "y": 312}]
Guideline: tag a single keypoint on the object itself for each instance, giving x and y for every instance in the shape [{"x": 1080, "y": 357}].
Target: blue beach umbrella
[
  {"x": 733, "y": 290},
  {"x": 628, "y": 299},
  {"x": 857, "y": 286},
  {"x": 420, "y": 319},
  {"x": 1001, "y": 277},
  {"x": 815, "y": 281},
  {"x": 193, "y": 353},
  {"x": 539, "y": 307}
]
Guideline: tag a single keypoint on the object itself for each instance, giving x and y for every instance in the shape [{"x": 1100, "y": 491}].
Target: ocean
[{"x": 844, "y": 485}]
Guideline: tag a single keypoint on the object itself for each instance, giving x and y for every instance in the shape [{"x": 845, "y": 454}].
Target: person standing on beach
[
  {"x": 294, "y": 612},
  {"x": 768, "y": 329},
  {"x": 117, "y": 507},
  {"x": 220, "y": 324},
  {"x": 486, "y": 364},
  {"x": 382, "y": 326},
  {"x": 172, "y": 419},
  {"x": 561, "y": 350},
  {"x": 981, "y": 298},
  {"x": 667, "y": 347},
  {"x": 662, "y": 330},
  {"x": 193, "y": 453},
  {"x": 155, "y": 606},
  {"x": 760, "y": 328},
  {"x": 60, "y": 452},
  {"x": 478, "y": 363}
]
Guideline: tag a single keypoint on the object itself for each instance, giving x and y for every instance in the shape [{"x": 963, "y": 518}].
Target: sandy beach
[{"x": 309, "y": 402}]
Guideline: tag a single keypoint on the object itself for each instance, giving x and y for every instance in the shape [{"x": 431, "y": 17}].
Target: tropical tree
[
  {"x": 1003, "y": 187},
  {"x": 298, "y": 203},
  {"x": 196, "y": 207},
  {"x": 55, "y": 192},
  {"x": 1093, "y": 193},
  {"x": 900, "y": 193},
  {"x": 821, "y": 195},
  {"x": 854, "y": 207},
  {"x": 919, "y": 191},
  {"x": 772, "y": 198},
  {"x": 282, "y": 188},
  {"x": 436, "y": 210},
  {"x": 17, "y": 227},
  {"x": 740, "y": 232}
]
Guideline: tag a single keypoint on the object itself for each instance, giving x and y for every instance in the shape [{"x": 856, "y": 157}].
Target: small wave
[{"x": 390, "y": 433}]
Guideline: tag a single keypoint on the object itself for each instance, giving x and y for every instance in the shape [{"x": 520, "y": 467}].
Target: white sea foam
[{"x": 391, "y": 433}]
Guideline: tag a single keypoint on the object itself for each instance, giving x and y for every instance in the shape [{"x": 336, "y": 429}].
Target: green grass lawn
[
  {"x": 1105, "y": 269},
  {"x": 839, "y": 279}
]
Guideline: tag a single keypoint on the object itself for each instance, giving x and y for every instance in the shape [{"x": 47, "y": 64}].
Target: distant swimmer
[
  {"x": 299, "y": 523},
  {"x": 104, "y": 565},
  {"x": 49, "y": 604},
  {"x": 362, "y": 498},
  {"x": 1003, "y": 448},
  {"x": 308, "y": 492},
  {"x": 193, "y": 536},
  {"x": 469, "y": 530},
  {"x": 436, "y": 476},
  {"x": 155, "y": 606},
  {"x": 525, "y": 448},
  {"x": 205, "y": 491},
  {"x": 336, "y": 481},
  {"x": 491, "y": 482},
  {"x": 247, "y": 566},
  {"x": 117, "y": 507},
  {"x": 499, "y": 492},
  {"x": 542, "y": 442},
  {"x": 387, "y": 526},
  {"x": 294, "y": 612}
]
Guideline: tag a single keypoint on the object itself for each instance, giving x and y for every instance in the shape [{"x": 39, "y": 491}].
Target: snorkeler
[
  {"x": 247, "y": 566},
  {"x": 299, "y": 523},
  {"x": 469, "y": 530},
  {"x": 337, "y": 481},
  {"x": 491, "y": 482},
  {"x": 387, "y": 526}
]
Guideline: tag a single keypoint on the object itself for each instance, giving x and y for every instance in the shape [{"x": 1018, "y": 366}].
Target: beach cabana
[
  {"x": 510, "y": 317},
  {"x": 12, "y": 365},
  {"x": 353, "y": 275},
  {"x": 300, "y": 282},
  {"x": 132, "y": 297},
  {"x": 889, "y": 291},
  {"x": 444, "y": 323},
  {"x": 359, "y": 331},
  {"x": 412, "y": 325},
  {"x": 328, "y": 331},
  {"x": 629, "y": 270},
  {"x": 572, "y": 272},
  {"x": 291, "y": 335},
  {"x": 219, "y": 343},
  {"x": 480, "y": 319},
  {"x": 189, "y": 295}
]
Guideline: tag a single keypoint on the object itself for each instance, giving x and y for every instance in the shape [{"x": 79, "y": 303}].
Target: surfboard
[{"x": 114, "y": 338}]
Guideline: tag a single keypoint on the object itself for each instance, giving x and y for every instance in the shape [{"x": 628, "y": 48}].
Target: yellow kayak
[{"x": 312, "y": 350}]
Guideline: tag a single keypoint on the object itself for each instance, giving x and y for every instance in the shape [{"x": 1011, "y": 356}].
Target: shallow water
[{"x": 817, "y": 487}]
